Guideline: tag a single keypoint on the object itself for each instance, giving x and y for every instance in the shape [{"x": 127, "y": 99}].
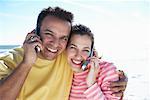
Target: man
[{"x": 39, "y": 70}]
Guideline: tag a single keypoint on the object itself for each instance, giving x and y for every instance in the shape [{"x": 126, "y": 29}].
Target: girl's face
[{"x": 78, "y": 51}]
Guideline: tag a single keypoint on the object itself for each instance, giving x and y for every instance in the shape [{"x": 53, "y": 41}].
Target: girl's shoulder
[{"x": 104, "y": 65}]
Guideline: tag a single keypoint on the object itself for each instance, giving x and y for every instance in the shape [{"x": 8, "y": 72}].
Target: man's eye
[
  {"x": 49, "y": 34},
  {"x": 64, "y": 39}
]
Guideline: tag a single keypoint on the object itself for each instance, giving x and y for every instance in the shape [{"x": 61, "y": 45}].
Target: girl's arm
[{"x": 98, "y": 83}]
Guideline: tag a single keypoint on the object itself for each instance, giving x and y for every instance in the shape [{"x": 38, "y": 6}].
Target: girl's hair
[{"x": 82, "y": 30}]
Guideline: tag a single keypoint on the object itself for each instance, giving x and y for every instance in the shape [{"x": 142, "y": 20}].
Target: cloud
[{"x": 15, "y": 16}]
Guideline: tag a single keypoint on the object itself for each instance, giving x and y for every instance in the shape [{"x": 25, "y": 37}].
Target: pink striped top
[{"x": 99, "y": 90}]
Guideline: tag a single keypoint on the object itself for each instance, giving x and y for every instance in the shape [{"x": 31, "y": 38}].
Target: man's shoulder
[
  {"x": 9, "y": 60},
  {"x": 15, "y": 51},
  {"x": 14, "y": 55}
]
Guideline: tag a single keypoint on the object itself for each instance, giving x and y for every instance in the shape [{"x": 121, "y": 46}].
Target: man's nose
[{"x": 56, "y": 42}]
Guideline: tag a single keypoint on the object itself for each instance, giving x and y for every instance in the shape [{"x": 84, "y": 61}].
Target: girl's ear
[{"x": 95, "y": 54}]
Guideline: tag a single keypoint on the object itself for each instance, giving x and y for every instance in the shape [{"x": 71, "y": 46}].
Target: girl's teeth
[{"x": 76, "y": 62}]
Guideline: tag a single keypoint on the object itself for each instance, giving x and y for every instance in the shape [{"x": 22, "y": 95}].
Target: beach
[{"x": 138, "y": 87}]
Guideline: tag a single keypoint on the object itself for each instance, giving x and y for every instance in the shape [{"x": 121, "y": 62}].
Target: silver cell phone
[
  {"x": 86, "y": 62},
  {"x": 37, "y": 48}
]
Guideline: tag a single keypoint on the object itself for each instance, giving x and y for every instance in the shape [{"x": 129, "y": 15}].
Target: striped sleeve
[
  {"x": 99, "y": 90},
  {"x": 94, "y": 93},
  {"x": 107, "y": 74}
]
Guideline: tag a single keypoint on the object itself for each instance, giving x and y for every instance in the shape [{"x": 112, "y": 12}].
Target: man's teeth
[
  {"x": 52, "y": 50},
  {"x": 76, "y": 62}
]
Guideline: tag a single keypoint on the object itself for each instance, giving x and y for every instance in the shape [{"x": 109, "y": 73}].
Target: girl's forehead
[
  {"x": 80, "y": 36},
  {"x": 81, "y": 40}
]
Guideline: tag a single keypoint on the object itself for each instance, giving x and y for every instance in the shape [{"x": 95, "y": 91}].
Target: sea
[
  {"x": 137, "y": 71},
  {"x": 5, "y": 48}
]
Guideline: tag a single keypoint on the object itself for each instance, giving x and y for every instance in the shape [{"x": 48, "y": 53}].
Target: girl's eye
[
  {"x": 86, "y": 52},
  {"x": 72, "y": 47}
]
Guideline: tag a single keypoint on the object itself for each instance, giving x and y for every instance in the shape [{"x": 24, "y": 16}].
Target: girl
[{"x": 91, "y": 83}]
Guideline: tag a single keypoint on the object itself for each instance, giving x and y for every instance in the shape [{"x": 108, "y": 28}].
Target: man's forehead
[
  {"x": 56, "y": 26},
  {"x": 55, "y": 32},
  {"x": 50, "y": 18}
]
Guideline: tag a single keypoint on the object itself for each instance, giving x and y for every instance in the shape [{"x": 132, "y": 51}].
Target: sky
[
  {"x": 118, "y": 25},
  {"x": 121, "y": 27}
]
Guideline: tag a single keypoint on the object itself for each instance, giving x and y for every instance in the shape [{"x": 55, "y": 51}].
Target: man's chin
[{"x": 48, "y": 57}]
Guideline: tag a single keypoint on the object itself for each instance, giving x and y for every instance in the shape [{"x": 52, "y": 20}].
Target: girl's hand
[{"x": 94, "y": 68}]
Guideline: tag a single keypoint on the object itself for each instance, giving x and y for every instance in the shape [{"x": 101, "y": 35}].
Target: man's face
[{"x": 54, "y": 33}]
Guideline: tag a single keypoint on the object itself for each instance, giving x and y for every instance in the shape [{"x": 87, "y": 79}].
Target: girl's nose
[{"x": 78, "y": 55}]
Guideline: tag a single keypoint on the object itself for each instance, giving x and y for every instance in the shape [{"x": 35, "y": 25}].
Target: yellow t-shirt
[{"x": 47, "y": 80}]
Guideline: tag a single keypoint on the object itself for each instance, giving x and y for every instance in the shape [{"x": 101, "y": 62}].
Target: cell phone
[
  {"x": 86, "y": 62},
  {"x": 37, "y": 48}
]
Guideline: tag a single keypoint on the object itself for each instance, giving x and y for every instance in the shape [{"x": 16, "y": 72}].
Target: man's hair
[
  {"x": 82, "y": 30},
  {"x": 56, "y": 12}
]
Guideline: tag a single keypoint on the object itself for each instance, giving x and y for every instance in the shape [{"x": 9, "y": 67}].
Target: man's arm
[
  {"x": 118, "y": 87},
  {"x": 11, "y": 86}
]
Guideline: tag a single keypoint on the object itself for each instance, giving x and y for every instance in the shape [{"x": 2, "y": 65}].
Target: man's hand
[
  {"x": 118, "y": 87},
  {"x": 30, "y": 54},
  {"x": 11, "y": 86}
]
